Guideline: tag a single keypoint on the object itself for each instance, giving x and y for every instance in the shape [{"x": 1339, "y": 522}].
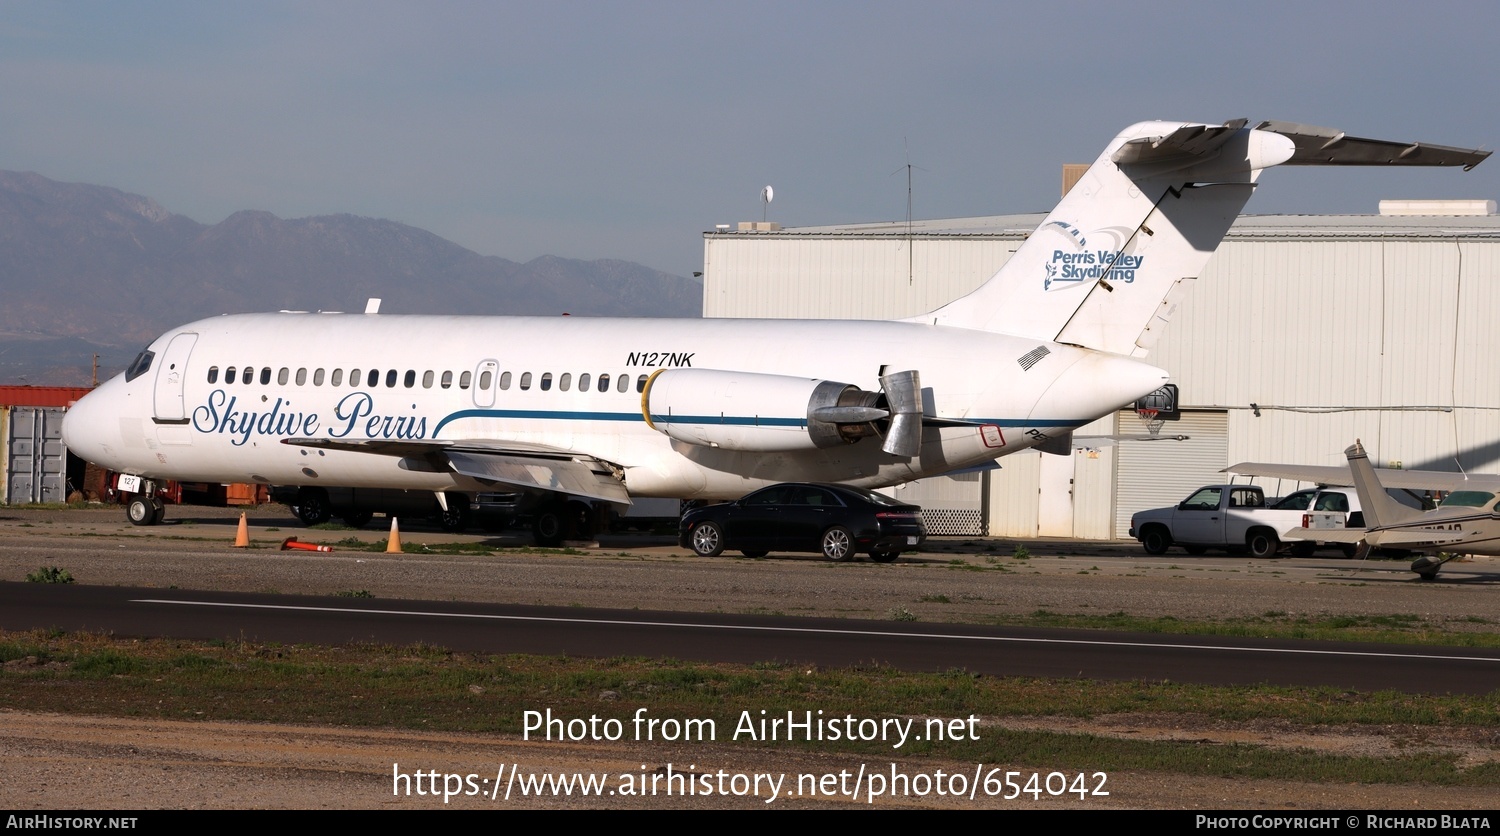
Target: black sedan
[{"x": 837, "y": 520}]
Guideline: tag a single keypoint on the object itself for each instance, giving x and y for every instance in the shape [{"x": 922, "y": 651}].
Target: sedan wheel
[
  {"x": 838, "y": 544},
  {"x": 708, "y": 539}
]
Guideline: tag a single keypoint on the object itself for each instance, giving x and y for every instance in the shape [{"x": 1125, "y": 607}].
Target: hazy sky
[{"x": 625, "y": 129}]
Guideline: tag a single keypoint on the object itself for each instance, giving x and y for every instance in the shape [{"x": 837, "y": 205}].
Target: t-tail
[
  {"x": 1379, "y": 508},
  {"x": 1109, "y": 266}
]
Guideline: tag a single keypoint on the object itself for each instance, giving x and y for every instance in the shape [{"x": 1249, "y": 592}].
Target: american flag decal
[{"x": 1032, "y": 357}]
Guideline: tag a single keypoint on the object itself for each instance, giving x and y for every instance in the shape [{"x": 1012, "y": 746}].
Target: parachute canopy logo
[{"x": 1073, "y": 262}]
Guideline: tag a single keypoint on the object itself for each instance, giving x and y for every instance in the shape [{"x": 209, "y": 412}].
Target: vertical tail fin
[
  {"x": 1378, "y": 507},
  {"x": 1110, "y": 264}
]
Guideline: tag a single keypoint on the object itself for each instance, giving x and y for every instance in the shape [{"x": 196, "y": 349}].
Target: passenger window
[
  {"x": 505, "y": 380},
  {"x": 354, "y": 377},
  {"x": 409, "y": 379},
  {"x": 213, "y": 374},
  {"x": 390, "y": 379},
  {"x": 427, "y": 379},
  {"x": 283, "y": 376},
  {"x": 372, "y": 379},
  {"x": 484, "y": 381},
  {"x": 623, "y": 383},
  {"x": 565, "y": 381},
  {"x": 525, "y": 381},
  {"x": 337, "y": 379},
  {"x": 247, "y": 376},
  {"x": 447, "y": 382},
  {"x": 318, "y": 377},
  {"x": 546, "y": 383},
  {"x": 583, "y": 382},
  {"x": 229, "y": 375},
  {"x": 640, "y": 383},
  {"x": 301, "y": 377},
  {"x": 603, "y": 383},
  {"x": 463, "y": 380},
  {"x": 265, "y": 376}
]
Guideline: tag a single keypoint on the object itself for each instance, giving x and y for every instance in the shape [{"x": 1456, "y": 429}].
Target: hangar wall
[{"x": 1303, "y": 333}]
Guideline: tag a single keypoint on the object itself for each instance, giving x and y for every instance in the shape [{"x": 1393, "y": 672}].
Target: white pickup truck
[{"x": 1237, "y": 517}]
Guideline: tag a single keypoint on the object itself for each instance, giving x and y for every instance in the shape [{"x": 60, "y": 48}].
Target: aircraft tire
[
  {"x": 550, "y": 525},
  {"x": 456, "y": 518},
  {"x": 158, "y": 510},
  {"x": 139, "y": 511},
  {"x": 838, "y": 544},
  {"x": 357, "y": 519}
]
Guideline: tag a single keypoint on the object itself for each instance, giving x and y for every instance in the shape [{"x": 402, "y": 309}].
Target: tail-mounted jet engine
[{"x": 768, "y": 413}]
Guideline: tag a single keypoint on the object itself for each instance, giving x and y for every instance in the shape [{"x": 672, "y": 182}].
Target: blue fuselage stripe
[{"x": 722, "y": 420}]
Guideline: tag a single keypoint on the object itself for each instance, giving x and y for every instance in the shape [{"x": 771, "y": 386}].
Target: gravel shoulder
[{"x": 96, "y": 762}]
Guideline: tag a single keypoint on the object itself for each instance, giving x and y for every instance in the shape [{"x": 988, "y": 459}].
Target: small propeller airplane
[{"x": 1466, "y": 522}]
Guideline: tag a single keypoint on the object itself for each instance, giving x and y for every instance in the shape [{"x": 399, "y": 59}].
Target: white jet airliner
[{"x": 608, "y": 409}]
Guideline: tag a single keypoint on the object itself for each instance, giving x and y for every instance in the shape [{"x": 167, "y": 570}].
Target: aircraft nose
[
  {"x": 1098, "y": 384},
  {"x": 87, "y": 427}
]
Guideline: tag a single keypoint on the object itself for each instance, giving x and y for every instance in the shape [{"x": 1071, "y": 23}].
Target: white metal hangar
[{"x": 1304, "y": 333}]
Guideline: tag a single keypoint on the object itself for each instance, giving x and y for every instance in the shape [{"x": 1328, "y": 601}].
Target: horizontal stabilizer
[{"x": 1326, "y": 146}]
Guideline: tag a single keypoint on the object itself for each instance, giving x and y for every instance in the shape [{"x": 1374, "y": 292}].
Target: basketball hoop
[{"x": 1149, "y": 417}]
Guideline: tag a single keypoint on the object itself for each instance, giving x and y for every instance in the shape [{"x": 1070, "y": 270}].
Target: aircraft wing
[
  {"x": 521, "y": 464},
  {"x": 1436, "y": 480}
]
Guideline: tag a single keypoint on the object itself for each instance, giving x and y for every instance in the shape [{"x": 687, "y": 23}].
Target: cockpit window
[
  {"x": 141, "y": 365},
  {"x": 1468, "y": 499}
]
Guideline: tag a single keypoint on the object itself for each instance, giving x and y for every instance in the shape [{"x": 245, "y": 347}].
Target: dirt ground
[{"x": 71, "y": 762}]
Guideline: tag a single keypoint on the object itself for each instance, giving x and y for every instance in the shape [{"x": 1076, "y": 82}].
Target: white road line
[{"x": 830, "y": 631}]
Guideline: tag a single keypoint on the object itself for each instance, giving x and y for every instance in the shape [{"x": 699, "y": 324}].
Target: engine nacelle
[{"x": 762, "y": 413}]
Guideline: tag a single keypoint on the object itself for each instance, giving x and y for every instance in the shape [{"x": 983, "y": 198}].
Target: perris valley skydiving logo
[{"x": 1072, "y": 261}]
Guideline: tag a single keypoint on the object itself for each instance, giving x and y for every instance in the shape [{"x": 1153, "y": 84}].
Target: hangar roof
[{"x": 1246, "y": 227}]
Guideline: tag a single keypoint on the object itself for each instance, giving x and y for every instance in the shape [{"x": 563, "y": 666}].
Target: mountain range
[{"x": 89, "y": 269}]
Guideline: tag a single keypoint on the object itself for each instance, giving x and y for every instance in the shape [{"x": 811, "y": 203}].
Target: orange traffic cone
[
  {"x": 242, "y": 536},
  {"x": 291, "y": 543},
  {"x": 393, "y": 546}
]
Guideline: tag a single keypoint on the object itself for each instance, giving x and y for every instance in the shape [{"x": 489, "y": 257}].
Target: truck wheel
[
  {"x": 1262, "y": 544},
  {"x": 1156, "y": 540}
]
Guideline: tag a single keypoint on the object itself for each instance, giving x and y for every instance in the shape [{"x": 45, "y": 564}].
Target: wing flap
[
  {"x": 522, "y": 464},
  {"x": 570, "y": 477}
]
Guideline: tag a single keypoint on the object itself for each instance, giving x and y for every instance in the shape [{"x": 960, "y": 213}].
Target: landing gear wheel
[
  {"x": 549, "y": 525},
  {"x": 1262, "y": 544},
  {"x": 1156, "y": 540},
  {"x": 140, "y": 511},
  {"x": 357, "y": 519},
  {"x": 838, "y": 544},
  {"x": 708, "y": 539},
  {"x": 158, "y": 510},
  {"x": 456, "y": 518},
  {"x": 313, "y": 507},
  {"x": 883, "y": 556}
]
